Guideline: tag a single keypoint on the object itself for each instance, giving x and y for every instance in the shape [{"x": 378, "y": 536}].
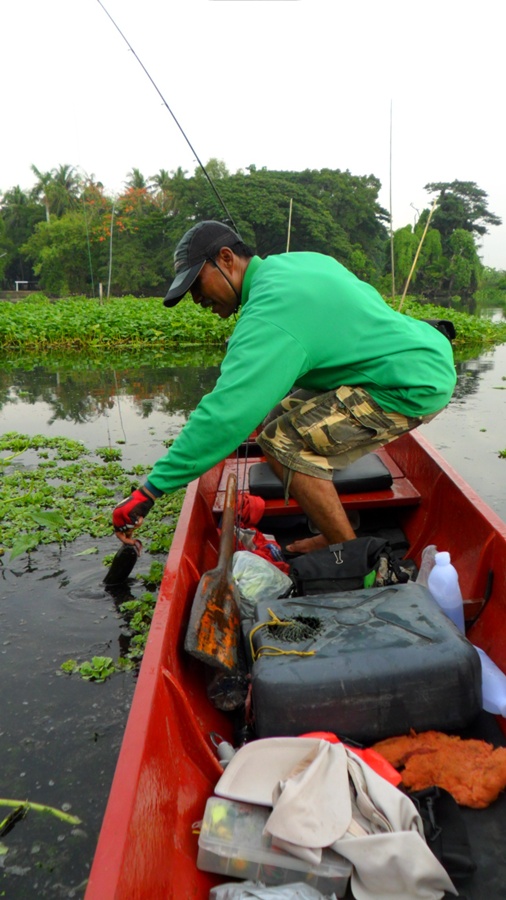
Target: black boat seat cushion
[{"x": 369, "y": 473}]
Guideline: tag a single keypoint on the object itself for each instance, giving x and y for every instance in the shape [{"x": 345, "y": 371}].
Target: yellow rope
[{"x": 266, "y": 649}]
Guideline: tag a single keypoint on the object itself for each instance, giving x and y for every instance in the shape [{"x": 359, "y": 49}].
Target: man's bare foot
[{"x": 305, "y": 545}]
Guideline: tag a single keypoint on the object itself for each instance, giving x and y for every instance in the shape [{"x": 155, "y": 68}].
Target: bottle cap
[{"x": 442, "y": 558}]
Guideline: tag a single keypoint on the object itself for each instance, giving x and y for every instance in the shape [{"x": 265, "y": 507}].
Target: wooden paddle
[{"x": 213, "y": 629}]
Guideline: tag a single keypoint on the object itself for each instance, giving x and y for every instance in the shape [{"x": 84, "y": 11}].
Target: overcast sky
[{"x": 286, "y": 84}]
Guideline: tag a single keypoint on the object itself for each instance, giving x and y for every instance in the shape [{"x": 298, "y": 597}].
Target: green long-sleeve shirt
[{"x": 307, "y": 321}]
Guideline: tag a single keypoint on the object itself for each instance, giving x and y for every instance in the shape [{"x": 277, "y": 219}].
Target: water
[
  {"x": 470, "y": 433},
  {"x": 59, "y": 735}
]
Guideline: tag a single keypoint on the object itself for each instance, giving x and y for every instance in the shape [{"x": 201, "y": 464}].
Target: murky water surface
[{"x": 59, "y": 735}]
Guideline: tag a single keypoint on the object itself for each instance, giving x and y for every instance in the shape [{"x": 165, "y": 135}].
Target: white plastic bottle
[
  {"x": 493, "y": 685},
  {"x": 443, "y": 583}
]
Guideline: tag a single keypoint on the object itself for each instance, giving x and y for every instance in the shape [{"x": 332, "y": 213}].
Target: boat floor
[{"x": 486, "y": 827}]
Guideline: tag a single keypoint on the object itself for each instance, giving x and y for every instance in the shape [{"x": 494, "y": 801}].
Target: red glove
[{"x": 126, "y": 515}]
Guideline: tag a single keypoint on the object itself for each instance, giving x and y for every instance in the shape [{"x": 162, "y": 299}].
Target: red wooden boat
[{"x": 167, "y": 767}]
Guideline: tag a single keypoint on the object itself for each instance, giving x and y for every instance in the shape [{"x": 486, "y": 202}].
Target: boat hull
[{"x": 167, "y": 767}]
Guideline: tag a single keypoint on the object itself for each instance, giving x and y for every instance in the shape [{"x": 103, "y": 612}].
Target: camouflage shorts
[{"x": 317, "y": 433}]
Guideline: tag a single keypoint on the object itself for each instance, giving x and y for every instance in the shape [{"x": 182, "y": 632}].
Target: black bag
[
  {"x": 445, "y": 831},
  {"x": 343, "y": 567}
]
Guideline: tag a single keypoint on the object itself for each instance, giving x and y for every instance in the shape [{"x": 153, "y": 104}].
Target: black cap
[{"x": 199, "y": 244}]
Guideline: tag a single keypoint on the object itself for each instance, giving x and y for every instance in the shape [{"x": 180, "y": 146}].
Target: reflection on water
[
  {"x": 470, "y": 432},
  {"x": 59, "y": 736},
  {"x": 139, "y": 405},
  {"x": 143, "y": 402}
]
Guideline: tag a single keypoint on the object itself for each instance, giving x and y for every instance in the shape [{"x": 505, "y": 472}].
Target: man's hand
[{"x": 130, "y": 513}]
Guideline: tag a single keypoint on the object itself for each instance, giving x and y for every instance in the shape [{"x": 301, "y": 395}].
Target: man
[{"x": 368, "y": 374}]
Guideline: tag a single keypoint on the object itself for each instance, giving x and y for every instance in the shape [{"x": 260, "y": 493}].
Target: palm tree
[
  {"x": 135, "y": 179},
  {"x": 178, "y": 184},
  {"x": 40, "y": 189},
  {"x": 20, "y": 213},
  {"x": 58, "y": 189},
  {"x": 162, "y": 185},
  {"x": 64, "y": 190}
]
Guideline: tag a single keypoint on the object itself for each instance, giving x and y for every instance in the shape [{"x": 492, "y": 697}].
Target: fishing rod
[{"x": 157, "y": 89}]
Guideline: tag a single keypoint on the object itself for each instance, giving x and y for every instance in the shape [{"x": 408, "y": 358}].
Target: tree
[
  {"x": 352, "y": 201},
  {"x": 464, "y": 268},
  {"x": 431, "y": 268},
  {"x": 141, "y": 257},
  {"x": 405, "y": 246},
  {"x": 259, "y": 201},
  {"x": 19, "y": 214},
  {"x": 3, "y": 251},
  {"x": 161, "y": 183},
  {"x": 461, "y": 205},
  {"x": 40, "y": 189},
  {"x": 59, "y": 252},
  {"x": 135, "y": 179},
  {"x": 58, "y": 190},
  {"x": 215, "y": 168},
  {"x": 64, "y": 189}
]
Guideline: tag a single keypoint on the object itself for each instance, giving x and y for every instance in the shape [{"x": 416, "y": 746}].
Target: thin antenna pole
[
  {"x": 289, "y": 225},
  {"x": 110, "y": 254},
  {"x": 417, "y": 254},
  {"x": 392, "y": 255},
  {"x": 88, "y": 246},
  {"x": 158, "y": 91}
]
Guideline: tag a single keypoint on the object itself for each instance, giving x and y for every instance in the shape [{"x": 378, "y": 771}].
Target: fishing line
[
  {"x": 119, "y": 405},
  {"x": 110, "y": 253},
  {"x": 229, "y": 216},
  {"x": 157, "y": 89}
]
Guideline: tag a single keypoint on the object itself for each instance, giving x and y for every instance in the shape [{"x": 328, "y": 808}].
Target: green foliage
[
  {"x": 58, "y": 252},
  {"x": 84, "y": 238},
  {"x": 71, "y": 236},
  {"x": 68, "y": 495},
  {"x": 98, "y": 669},
  {"x": 461, "y": 205},
  {"x": 138, "y": 615},
  {"x": 405, "y": 246},
  {"x": 109, "y": 453},
  {"x": 38, "y": 324},
  {"x": 19, "y": 214},
  {"x": 437, "y": 276},
  {"x": 154, "y": 576},
  {"x": 464, "y": 265},
  {"x": 471, "y": 330},
  {"x": 492, "y": 288}
]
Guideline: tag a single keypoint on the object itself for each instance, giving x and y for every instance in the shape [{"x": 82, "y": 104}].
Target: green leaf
[
  {"x": 48, "y": 519},
  {"x": 23, "y": 543}
]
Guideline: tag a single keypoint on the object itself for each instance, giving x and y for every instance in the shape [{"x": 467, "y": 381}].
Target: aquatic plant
[
  {"x": 68, "y": 494},
  {"x": 38, "y": 325}
]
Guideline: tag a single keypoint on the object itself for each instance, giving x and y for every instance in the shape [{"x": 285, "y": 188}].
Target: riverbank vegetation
[{"x": 69, "y": 237}]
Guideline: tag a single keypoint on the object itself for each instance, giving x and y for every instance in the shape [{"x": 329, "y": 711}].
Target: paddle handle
[{"x": 227, "y": 537}]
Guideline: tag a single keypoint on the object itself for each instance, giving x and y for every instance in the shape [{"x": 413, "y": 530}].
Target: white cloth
[{"x": 331, "y": 798}]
